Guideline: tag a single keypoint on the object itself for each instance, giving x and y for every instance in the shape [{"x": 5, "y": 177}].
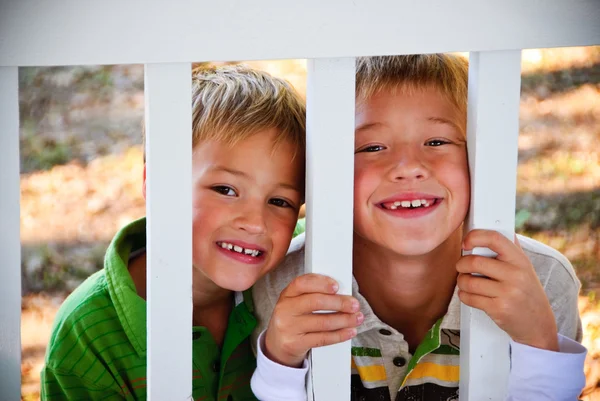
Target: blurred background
[{"x": 81, "y": 178}]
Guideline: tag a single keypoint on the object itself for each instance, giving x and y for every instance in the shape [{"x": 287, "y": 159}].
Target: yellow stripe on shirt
[
  {"x": 440, "y": 372},
  {"x": 370, "y": 373}
]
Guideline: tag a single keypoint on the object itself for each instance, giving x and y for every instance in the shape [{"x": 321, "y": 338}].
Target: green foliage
[
  {"x": 41, "y": 153},
  {"x": 59, "y": 267},
  {"x": 300, "y": 227},
  {"x": 521, "y": 218}
]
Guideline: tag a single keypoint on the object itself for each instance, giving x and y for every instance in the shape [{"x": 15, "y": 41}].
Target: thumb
[{"x": 517, "y": 243}]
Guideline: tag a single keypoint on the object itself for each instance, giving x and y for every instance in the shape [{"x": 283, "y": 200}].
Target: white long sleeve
[
  {"x": 274, "y": 382},
  {"x": 542, "y": 375}
]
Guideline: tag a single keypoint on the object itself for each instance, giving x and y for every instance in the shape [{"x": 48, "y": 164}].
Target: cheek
[
  {"x": 207, "y": 218},
  {"x": 366, "y": 180},
  {"x": 456, "y": 178},
  {"x": 198, "y": 210},
  {"x": 281, "y": 229}
]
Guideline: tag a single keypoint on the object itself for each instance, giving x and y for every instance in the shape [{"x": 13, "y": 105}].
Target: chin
[
  {"x": 238, "y": 285},
  {"x": 413, "y": 248}
]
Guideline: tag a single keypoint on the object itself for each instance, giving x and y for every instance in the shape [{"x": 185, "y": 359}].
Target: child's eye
[
  {"x": 436, "y": 142},
  {"x": 371, "y": 148},
  {"x": 279, "y": 202},
  {"x": 224, "y": 190}
]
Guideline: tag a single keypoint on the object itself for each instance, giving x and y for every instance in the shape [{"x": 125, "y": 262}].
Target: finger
[
  {"x": 310, "y": 283},
  {"x": 505, "y": 248},
  {"x": 479, "y": 285},
  {"x": 315, "y": 340},
  {"x": 308, "y": 303},
  {"x": 327, "y": 322},
  {"x": 517, "y": 243},
  {"x": 488, "y": 267},
  {"x": 476, "y": 301}
]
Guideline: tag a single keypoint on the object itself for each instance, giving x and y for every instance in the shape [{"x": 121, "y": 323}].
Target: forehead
[
  {"x": 258, "y": 155},
  {"x": 400, "y": 106}
]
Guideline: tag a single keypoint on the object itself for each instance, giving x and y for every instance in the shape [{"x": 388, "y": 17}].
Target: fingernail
[
  {"x": 355, "y": 306},
  {"x": 360, "y": 317},
  {"x": 335, "y": 287},
  {"x": 353, "y": 333}
]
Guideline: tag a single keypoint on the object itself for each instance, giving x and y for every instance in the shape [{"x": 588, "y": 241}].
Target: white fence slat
[
  {"x": 492, "y": 137},
  {"x": 329, "y": 199},
  {"x": 168, "y": 89},
  {"x": 69, "y": 32},
  {"x": 10, "y": 243}
]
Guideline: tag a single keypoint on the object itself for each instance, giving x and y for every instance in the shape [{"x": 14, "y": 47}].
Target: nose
[
  {"x": 407, "y": 165},
  {"x": 251, "y": 218}
]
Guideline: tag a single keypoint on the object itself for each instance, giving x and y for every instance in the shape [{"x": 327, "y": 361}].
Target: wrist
[
  {"x": 548, "y": 342},
  {"x": 280, "y": 357}
]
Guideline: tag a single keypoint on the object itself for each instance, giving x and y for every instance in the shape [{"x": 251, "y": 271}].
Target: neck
[{"x": 409, "y": 293}]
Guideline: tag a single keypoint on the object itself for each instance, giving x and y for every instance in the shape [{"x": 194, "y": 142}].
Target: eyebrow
[
  {"x": 230, "y": 171},
  {"x": 445, "y": 121},
  {"x": 367, "y": 126},
  {"x": 246, "y": 176}
]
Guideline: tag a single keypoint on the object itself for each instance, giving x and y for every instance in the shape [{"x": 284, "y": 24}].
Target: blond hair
[
  {"x": 448, "y": 73},
  {"x": 233, "y": 102}
]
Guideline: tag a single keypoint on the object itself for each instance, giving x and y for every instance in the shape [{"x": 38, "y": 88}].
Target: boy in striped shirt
[
  {"x": 248, "y": 185},
  {"x": 411, "y": 197}
]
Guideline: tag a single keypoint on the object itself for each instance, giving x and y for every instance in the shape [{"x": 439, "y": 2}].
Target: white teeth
[
  {"x": 239, "y": 249},
  {"x": 410, "y": 204}
]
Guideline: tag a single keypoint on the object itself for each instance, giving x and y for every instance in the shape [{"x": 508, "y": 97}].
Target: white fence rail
[
  {"x": 167, "y": 89},
  {"x": 329, "y": 178},
  {"x": 70, "y": 32},
  {"x": 492, "y": 140},
  {"x": 10, "y": 246}
]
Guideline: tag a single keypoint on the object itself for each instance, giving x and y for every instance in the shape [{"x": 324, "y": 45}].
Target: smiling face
[
  {"x": 411, "y": 182},
  {"x": 246, "y": 199}
]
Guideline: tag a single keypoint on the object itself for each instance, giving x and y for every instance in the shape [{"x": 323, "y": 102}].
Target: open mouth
[
  {"x": 255, "y": 253},
  {"x": 410, "y": 204}
]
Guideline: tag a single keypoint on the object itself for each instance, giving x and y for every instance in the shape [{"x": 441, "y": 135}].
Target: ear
[{"x": 144, "y": 184}]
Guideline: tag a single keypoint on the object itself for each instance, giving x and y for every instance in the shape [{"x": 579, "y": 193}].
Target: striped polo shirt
[
  {"x": 97, "y": 350},
  {"x": 382, "y": 366}
]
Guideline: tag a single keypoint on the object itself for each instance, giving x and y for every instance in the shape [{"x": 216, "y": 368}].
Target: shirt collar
[
  {"x": 130, "y": 307},
  {"x": 371, "y": 320},
  {"x": 451, "y": 320}
]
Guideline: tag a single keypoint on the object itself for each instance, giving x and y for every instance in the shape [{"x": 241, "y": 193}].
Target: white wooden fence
[{"x": 168, "y": 35}]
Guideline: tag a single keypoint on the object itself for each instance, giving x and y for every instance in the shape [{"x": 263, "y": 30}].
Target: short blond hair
[
  {"x": 447, "y": 73},
  {"x": 233, "y": 102}
]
